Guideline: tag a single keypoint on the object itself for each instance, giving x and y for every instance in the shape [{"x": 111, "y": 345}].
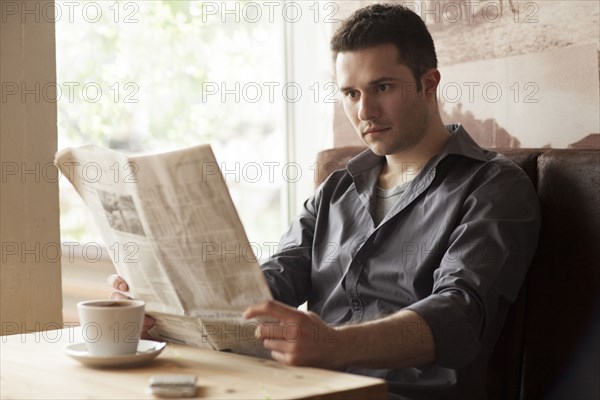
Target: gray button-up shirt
[{"x": 455, "y": 249}]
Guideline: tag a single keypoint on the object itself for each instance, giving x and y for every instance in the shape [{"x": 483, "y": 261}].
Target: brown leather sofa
[{"x": 550, "y": 344}]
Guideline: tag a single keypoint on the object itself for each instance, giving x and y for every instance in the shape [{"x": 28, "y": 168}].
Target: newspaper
[{"x": 173, "y": 233}]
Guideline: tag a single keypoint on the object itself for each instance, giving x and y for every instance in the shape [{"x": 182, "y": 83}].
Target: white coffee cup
[{"x": 111, "y": 327}]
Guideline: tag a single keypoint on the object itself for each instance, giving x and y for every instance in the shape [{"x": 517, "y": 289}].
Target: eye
[
  {"x": 351, "y": 94},
  {"x": 383, "y": 87}
]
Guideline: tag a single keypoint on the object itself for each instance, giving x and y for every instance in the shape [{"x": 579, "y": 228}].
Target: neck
[{"x": 403, "y": 166}]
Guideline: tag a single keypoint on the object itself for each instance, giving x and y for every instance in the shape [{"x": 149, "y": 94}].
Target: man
[{"x": 432, "y": 234}]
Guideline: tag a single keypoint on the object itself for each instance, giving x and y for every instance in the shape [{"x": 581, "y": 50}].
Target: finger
[
  {"x": 148, "y": 322},
  {"x": 280, "y": 346},
  {"x": 285, "y": 358},
  {"x": 272, "y": 309},
  {"x": 145, "y": 335},
  {"x": 278, "y": 356},
  {"x": 289, "y": 331},
  {"x": 119, "y": 296},
  {"x": 117, "y": 283}
]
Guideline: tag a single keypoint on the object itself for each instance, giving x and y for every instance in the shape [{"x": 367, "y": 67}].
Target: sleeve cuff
[{"x": 455, "y": 328}]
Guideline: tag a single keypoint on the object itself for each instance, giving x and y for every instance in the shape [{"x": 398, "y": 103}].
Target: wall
[{"x": 30, "y": 280}]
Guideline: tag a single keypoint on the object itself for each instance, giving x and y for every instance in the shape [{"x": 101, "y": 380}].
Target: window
[
  {"x": 251, "y": 78},
  {"x": 140, "y": 76}
]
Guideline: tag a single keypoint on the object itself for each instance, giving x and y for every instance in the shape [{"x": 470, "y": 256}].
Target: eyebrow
[{"x": 372, "y": 83}]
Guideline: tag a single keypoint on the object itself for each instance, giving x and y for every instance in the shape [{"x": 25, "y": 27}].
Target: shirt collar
[
  {"x": 459, "y": 143},
  {"x": 462, "y": 144},
  {"x": 366, "y": 167}
]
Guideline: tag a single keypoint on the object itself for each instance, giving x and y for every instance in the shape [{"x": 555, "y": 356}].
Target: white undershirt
[{"x": 386, "y": 199}]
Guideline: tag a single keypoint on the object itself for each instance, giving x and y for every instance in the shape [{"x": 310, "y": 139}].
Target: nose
[{"x": 368, "y": 109}]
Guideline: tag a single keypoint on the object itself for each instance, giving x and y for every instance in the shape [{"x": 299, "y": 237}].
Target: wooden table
[{"x": 33, "y": 366}]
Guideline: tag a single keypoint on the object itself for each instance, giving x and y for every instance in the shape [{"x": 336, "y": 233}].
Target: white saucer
[{"x": 147, "y": 350}]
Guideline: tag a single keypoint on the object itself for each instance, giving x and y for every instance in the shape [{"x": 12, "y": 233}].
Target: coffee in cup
[{"x": 111, "y": 327}]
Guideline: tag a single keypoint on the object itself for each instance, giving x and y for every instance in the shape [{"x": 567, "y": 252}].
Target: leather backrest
[
  {"x": 333, "y": 159},
  {"x": 504, "y": 372},
  {"x": 562, "y": 329}
]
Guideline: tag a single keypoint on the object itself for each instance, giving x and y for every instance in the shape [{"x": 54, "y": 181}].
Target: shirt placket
[
  {"x": 352, "y": 278},
  {"x": 356, "y": 268}
]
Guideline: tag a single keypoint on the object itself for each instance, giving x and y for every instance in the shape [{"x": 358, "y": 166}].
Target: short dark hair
[{"x": 379, "y": 24}]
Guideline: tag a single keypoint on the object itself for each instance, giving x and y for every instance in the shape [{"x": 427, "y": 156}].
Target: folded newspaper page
[{"x": 174, "y": 235}]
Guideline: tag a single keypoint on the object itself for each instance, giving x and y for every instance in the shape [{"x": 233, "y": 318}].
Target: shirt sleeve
[
  {"x": 288, "y": 271},
  {"x": 485, "y": 263}
]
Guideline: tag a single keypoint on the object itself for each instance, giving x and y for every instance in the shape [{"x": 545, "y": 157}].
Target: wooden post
[{"x": 30, "y": 278}]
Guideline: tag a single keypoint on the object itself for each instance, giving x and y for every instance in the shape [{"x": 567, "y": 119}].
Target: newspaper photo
[{"x": 181, "y": 245}]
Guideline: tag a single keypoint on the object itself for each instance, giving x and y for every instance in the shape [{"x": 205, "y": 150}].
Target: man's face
[{"x": 381, "y": 99}]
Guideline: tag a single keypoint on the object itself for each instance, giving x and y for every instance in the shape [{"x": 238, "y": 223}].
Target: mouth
[{"x": 375, "y": 131}]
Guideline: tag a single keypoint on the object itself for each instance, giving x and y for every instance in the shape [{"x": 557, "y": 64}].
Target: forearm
[{"x": 400, "y": 340}]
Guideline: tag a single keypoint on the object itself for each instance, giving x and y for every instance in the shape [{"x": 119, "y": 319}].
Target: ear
[{"x": 430, "y": 81}]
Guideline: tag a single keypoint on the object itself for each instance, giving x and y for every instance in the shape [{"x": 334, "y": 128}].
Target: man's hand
[
  {"x": 120, "y": 286},
  {"x": 297, "y": 337},
  {"x": 400, "y": 340},
  {"x": 120, "y": 293}
]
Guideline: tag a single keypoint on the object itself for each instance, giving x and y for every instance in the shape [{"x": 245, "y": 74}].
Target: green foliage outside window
[{"x": 142, "y": 78}]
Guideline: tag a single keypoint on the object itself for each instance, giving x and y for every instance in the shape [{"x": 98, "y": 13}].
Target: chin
[
  {"x": 378, "y": 152},
  {"x": 382, "y": 149},
  {"x": 378, "y": 149},
  {"x": 375, "y": 146}
]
